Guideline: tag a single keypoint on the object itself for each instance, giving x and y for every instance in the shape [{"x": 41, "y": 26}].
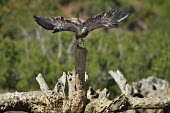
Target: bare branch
[
  {"x": 43, "y": 85},
  {"x": 121, "y": 81}
]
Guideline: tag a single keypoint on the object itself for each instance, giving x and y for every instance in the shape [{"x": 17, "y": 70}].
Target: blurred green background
[{"x": 140, "y": 47}]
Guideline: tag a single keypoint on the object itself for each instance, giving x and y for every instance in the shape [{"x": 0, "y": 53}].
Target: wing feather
[
  {"x": 57, "y": 24},
  {"x": 108, "y": 20}
]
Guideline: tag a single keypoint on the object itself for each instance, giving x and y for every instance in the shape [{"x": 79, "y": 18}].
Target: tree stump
[{"x": 76, "y": 82}]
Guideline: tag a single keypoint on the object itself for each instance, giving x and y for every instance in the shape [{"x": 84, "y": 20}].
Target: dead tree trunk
[{"x": 76, "y": 80}]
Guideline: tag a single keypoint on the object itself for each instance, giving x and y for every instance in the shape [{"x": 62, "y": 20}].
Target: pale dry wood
[
  {"x": 149, "y": 87},
  {"x": 104, "y": 93},
  {"x": 60, "y": 86},
  {"x": 33, "y": 101},
  {"x": 121, "y": 82},
  {"x": 37, "y": 101},
  {"x": 149, "y": 102},
  {"x": 123, "y": 103},
  {"x": 72, "y": 91},
  {"x": 43, "y": 85},
  {"x": 153, "y": 88}
]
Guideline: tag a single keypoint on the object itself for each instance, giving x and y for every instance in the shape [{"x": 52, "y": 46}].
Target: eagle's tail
[{"x": 45, "y": 22}]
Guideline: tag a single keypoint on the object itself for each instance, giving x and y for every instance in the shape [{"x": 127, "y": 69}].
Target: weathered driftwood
[
  {"x": 55, "y": 101},
  {"x": 150, "y": 87}
]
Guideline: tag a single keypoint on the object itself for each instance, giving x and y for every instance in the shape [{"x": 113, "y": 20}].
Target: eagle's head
[{"x": 84, "y": 29}]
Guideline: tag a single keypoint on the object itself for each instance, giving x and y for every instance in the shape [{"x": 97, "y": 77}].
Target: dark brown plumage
[{"x": 108, "y": 20}]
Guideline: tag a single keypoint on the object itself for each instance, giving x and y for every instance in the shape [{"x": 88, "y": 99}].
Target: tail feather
[{"x": 45, "y": 22}]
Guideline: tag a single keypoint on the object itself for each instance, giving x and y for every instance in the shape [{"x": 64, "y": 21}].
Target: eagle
[{"x": 107, "y": 20}]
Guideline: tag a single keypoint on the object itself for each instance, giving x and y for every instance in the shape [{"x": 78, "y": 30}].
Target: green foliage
[
  {"x": 26, "y": 50},
  {"x": 99, "y": 6},
  {"x": 161, "y": 64},
  {"x": 7, "y": 65},
  {"x": 17, "y": 14}
]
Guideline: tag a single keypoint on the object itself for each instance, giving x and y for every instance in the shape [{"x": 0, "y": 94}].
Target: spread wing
[
  {"x": 57, "y": 24},
  {"x": 108, "y": 20}
]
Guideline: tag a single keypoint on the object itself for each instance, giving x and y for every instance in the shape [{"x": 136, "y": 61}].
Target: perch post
[{"x": 76, "y": 82}]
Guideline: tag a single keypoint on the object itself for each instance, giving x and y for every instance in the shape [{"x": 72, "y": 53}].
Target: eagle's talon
[{"x": 81, "y": 41}]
